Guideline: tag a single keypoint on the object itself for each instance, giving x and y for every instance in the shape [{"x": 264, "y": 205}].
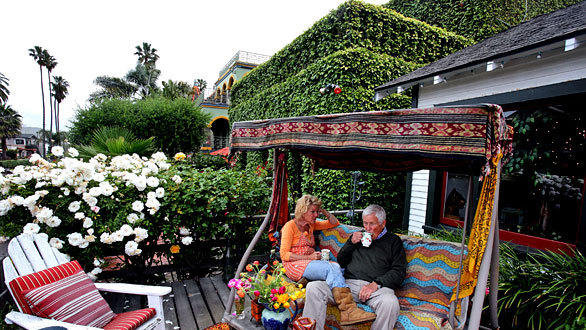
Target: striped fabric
[
  {"x": 73, "y": 299},
  {"x": 130, "y": 320},
  {"x": 35, "y": 280},
  {"x": 334, "y": 238}
]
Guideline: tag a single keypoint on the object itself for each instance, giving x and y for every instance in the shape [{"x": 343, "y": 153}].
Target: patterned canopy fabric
[{"x": 464, "y": 137}]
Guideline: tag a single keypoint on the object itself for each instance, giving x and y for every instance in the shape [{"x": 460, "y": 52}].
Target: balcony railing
[{"x": 246, "y": 57}]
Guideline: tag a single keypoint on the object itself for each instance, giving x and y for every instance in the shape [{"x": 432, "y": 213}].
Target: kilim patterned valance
[{"x": 410, "y": 139}]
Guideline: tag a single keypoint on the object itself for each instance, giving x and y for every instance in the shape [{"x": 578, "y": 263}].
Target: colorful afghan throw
[{"x": 480, "y": 231}]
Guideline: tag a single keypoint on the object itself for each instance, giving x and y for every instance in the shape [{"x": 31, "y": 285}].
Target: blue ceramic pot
[{"x": 277, "y": 319}]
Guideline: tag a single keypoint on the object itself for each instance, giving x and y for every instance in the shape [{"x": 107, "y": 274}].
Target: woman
[{"x": 300, "y": 258}]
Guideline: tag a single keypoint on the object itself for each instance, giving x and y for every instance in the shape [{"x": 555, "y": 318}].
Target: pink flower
[
  {"x": 95, "y": 208},
  {"x": 256, "y": 293},
  {"x": 273, "y": 291},
  {"x": 487, "y": 291}
]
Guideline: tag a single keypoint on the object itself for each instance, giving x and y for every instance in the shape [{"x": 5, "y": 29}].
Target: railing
[
  {"x": 246, "y": 57},
  {"x": 220, "y": 142}
]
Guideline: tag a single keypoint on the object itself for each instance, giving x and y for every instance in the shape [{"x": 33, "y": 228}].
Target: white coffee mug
[
  {"x": 366, "y": 239},
  {"x": 325, "y": 254}
]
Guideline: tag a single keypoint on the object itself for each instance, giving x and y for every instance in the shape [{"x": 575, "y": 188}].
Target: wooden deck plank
[
  {"x": 170, "y": 312},
  {"x": 182, "y": 306},
  {"x": 198, "y": 305},
  {"x": 222, "y": 289},
  {"x": 212, "y": 298}
]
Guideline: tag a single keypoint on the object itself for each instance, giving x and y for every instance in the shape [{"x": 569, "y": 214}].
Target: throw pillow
[{"x": 74, "y": 299}]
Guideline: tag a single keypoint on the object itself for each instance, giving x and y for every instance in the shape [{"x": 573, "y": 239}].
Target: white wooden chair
[{"x": 30, "y": 254}]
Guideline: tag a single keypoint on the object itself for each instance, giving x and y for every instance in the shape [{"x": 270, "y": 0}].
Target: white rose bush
[{"x": 136, "y": 209}]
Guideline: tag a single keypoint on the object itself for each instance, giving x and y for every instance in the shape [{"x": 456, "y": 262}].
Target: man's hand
[
  {"x": 316, "y": 255},
  {"x": 356, "y": 237},
  {"x": 367, "y": 290}
]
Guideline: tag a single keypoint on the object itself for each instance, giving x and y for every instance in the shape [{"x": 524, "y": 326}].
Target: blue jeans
[{"x": 320, "y": 270}]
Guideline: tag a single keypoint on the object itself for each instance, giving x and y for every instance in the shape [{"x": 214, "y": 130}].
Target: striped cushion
[
  {"x": 73, "y": 299},
  {"x": 130, "y": 320},
  {"x": 35, "y": 280},
  {"x": 334, "y": 238},
  {"x": 432, "y": 272}
]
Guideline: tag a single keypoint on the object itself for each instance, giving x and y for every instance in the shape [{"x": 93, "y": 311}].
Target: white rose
[
  {"x": 72, "y": 152},
  {"x": 152, "y": 195},
  {"x": 57, "y": 151},
  {"x": 97, "y": 263},
  {"x": 177, "y": 179},
  {"x": 132, "y": 217},
  {"x": 140, "y": 234},
  {"x": 74, "y": 206},
  {"x": 31, "y": 228},
  {"x": 131, "y": 248},
  {"x": 84, "y": 244},
  {"x": 79, "y": 215},
  {"x": 153, "y": 182},
  {"x": 106, "y": 238},
  {"x": 35, "y": 158},
  {"x": 160, "y": 192},
  {"x": 75, "y": 239},
  {"x": 186, "y": 240},
  {"x": 56, "y": 243},
  {"x": 126, "y": 230},
  {"x": 117, "y": 236},
  {"x": 53, "y": 222},
  {"x": 96, "y": 270},
  {"x": 87, "y": 222},
  {"x": 99, "y": 177},
  {"x": 184, "y": 231},
  {"x": 66, "y": 191},
  {"x": 137, "y": 206}
]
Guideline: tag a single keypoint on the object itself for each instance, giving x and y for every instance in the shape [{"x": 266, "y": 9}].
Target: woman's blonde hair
[{"x": 304, "y": 203}]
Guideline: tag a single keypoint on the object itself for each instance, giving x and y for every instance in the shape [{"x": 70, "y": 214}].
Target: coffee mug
[
  {"x": 366, "y": 239},
  {"x": 325, "y": 254}
]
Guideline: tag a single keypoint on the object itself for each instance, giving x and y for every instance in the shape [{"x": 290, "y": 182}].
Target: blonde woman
[{"x": 300, "y": 258}]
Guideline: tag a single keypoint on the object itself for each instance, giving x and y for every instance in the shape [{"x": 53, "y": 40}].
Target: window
[
  {"x": 542, "y": 186},
  {"x": 19, "y": 141}
]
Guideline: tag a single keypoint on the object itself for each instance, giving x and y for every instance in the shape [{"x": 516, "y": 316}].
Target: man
[{"x": 372, "y": 273}]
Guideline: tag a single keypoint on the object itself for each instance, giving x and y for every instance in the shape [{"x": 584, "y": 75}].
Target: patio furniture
[{"x": 33, "y": 264}]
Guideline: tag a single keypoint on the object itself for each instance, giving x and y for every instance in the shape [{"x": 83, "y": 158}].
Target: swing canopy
[{"x": 460, "y": 137}]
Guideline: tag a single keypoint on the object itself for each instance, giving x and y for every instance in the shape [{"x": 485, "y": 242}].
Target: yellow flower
[
  {"x": 179, "y": 156},
  {"x": 300, "y": 285},
  {"x": 276, "y": 305},
  {"x": 286, "y": 305},
  {"x": 303, "y": 290},
  {"x": 175, "y": 249}
]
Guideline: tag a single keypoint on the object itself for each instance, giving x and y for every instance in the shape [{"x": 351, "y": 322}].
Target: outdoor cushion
[
  {"x": 73, "y": 299},
  {"x": 35, "y": 280},
  {"x": 130, "y": 320},
  {"x": 334, "y": 238}
]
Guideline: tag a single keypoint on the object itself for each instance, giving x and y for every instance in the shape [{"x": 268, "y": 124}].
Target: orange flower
[
  {"x": 249, "y": 268},
  {"x": 275, "y": 262},
  {"x": 175, "y": 249},
  {"x": 240, "y": 293}
]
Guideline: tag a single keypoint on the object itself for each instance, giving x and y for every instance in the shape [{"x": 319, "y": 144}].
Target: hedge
[
  {"x": 357, "y": 71},
  {"x": 177, "y": 125},
  {"x": 478, "y": 19},
  {"x": 353, "y": 24}
]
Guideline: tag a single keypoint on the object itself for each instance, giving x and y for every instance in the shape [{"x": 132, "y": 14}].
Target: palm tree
[
  {"x": 50, "y": 64},
  {"x": 148, "y": 57},
  {"x": 10, "y": 125},
  {"x": 60, "y": 90},
  {"x": 4, "y": 92},
  {"x": 37, "y": 54}
]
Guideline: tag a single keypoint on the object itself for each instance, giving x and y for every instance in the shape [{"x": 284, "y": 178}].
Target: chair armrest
[
  {"x": 145, "y": 290},
  {"x": 34, "y": 322}
]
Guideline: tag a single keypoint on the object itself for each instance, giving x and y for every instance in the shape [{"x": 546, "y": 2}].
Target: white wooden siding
[
  {"x": 529, "y": 72},
  {"x": 418, "y": 203}
]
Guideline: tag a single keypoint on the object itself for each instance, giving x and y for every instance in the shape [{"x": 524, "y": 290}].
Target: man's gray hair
[{"x": 377, "y": 210}]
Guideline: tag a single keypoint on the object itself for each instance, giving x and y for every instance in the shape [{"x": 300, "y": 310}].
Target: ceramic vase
[{"x": 277, "y": 319}]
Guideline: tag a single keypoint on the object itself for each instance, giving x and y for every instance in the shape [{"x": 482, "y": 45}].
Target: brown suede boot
[{"x": 349, "y": 312}]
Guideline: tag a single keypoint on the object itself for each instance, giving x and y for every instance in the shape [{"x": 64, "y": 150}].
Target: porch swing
[{"x": 464, "y": 138}]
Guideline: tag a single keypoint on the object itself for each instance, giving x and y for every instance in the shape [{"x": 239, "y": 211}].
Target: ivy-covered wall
[
  {"x": 478, "y": 19},
  {"x": 357, "y": 46}
]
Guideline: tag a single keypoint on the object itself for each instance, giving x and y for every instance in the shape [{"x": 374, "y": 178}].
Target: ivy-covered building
[
  {"x": 217, "y": 101},
  {"x": 537, "y": 72}
]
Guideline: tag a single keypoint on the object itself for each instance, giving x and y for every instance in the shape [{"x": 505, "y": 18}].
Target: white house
[{"x": 537, "y": 72}]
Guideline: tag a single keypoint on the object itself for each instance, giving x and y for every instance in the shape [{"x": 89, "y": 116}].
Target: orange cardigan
[{"x": 290, "y": 235}]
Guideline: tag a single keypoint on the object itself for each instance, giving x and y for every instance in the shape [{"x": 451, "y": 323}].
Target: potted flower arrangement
[{"x": 271, "y": 290}]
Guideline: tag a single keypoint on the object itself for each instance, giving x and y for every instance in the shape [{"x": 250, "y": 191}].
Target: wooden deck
[{"x": 192, "y": 305}]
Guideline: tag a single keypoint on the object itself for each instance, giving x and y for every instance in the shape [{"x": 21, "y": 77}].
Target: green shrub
[
  {"x": 176, "y": 125},
  {"x": 478, "y": 19},
  {"x": 353, "y": 24},
  {"x": 115, "y": 141},
  {"x": 542, "y": 290},
  {"x": 13, "y": 163},
  {"x": 133, "y": 208}
]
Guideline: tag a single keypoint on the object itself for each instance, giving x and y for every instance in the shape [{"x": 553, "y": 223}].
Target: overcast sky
[{"x": 194, "y": 39}]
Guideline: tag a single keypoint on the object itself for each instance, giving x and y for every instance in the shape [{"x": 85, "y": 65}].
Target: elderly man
[{"x": 372, "y": 273}]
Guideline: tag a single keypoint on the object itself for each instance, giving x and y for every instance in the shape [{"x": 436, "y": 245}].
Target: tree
[
  {"x": 50, "y": 64},
  {"x": 4, "y": 92},
  {"x": 60, "y": 90},
  {"x": 176, "y": 89},
  {"x": 10, "y": 125},
  {"x": 148, "y": 57},
  {"x": 37, "y": 55}
]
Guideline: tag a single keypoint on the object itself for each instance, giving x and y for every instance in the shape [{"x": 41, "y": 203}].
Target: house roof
[{"x": 539, "y": 31}]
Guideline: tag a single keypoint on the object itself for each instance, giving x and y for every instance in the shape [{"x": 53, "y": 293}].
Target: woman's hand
[{"x": 330, "y": 217}]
